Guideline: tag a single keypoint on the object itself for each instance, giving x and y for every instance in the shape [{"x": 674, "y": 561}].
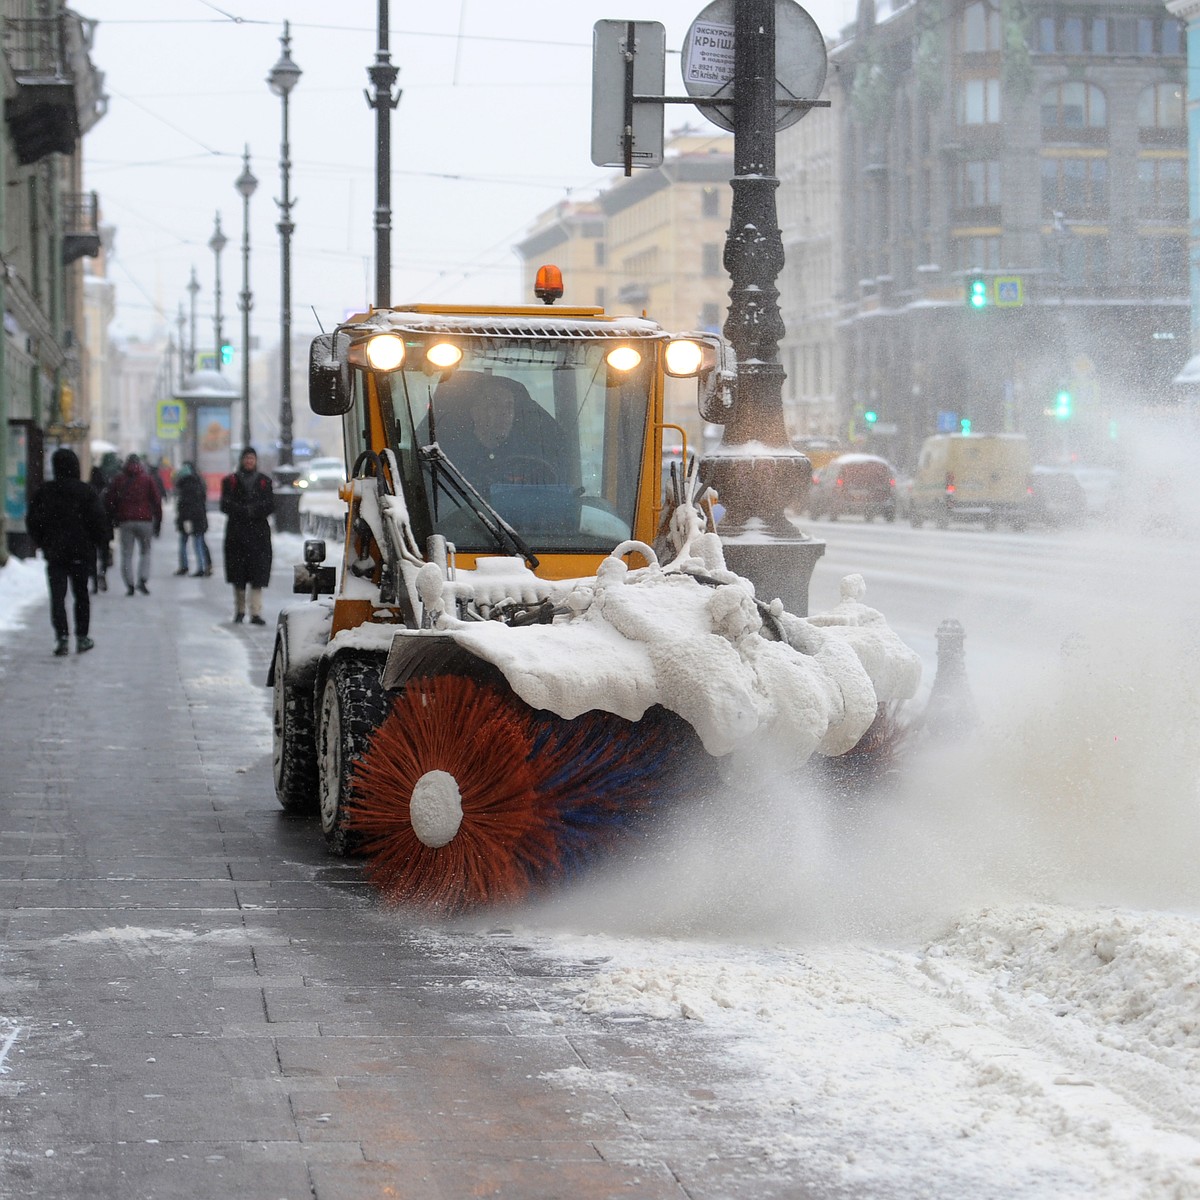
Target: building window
[
  {"x": 1046, "y": 39},
  {"x": 981, "y": 28},
  {"x": 979, "y": 102},
  {"x": 710, "y": 203},
  {"x": 1071, "y": 35},
  {"x": 599, "y": 297},
  {"x": 1172, "y": 36},
  {"x": 599, "y": 254},
  {"x": 1074, "y": 106},
  {"x": 711, "y": 259},
  {"x": 1162, "y": 187},
  {"x": 1161, "y": 106},
  {"x": 1099, "y": 40},
  {"x": 710, "y": 317},
  {"x": 979, "y": 183},
  {"x": 1078, "y": 261},
  {"x": 978, "y": 254},
  {"x": 1162, "y": 264},
  {"x": 1074, "y": 185}
]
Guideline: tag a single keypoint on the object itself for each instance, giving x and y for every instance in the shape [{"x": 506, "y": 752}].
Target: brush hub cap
[{"x": 435, "y": 808}]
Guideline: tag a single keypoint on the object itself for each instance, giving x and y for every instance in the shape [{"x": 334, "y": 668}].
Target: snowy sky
[{"x": 493, "y": 127}]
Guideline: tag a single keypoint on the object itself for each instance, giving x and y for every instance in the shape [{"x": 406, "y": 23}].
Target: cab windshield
[{"x": 546, "y": 431}]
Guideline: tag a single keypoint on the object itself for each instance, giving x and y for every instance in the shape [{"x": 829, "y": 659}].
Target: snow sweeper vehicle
[{"x": 528, "y": 650}]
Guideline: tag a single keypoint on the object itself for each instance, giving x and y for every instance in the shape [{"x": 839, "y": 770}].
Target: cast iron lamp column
[
  {"x": 246, "y": 185},
  {"x": 193, "y": 288},
  {"x": 283, "y": 78},
  {"x": 216, "y": 244}
]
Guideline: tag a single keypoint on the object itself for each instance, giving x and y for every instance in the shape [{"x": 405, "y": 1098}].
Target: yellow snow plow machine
[{"x": 527, "y": 645}]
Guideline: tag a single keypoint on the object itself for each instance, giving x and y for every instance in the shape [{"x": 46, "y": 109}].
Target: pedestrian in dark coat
[
  {"x": 247, "y": 500},
  {"x": 191, "y": 519},
  {"x": 67, "y": 523},
  {"x": 104, "y": 559}
]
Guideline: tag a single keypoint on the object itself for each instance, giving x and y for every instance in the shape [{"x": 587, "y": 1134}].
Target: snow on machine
[{"x": 529, "y": 651}]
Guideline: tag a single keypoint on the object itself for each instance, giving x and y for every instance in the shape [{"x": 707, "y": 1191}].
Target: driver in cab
[{"x": 493, "y": 431}]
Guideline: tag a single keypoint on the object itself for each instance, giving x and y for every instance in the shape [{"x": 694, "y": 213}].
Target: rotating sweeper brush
[{"x": 482, "y": 719}]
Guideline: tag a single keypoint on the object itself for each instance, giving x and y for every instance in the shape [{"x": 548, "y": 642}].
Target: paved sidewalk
[{"x": 196, "y": 1001}]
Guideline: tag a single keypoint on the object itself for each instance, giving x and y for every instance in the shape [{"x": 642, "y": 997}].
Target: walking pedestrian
[
  {"x": 191, "y": 519},
  {"x": 67, "y": 523},
  {"x": 247, "y": 500},
  {"x": 136, "y": 509},
  {"x": 103, "y": 556}
]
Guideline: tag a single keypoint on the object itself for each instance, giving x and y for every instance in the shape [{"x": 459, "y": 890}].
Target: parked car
[
  {"x": 862, "y": 485},
  {"x": 972, "y": 477},
  {"x": 322, "y": 510},
  {"x": 322, "y": 475},
  {"x": 1056, "y": 497}
]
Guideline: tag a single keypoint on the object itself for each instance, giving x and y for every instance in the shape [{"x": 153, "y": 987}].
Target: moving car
[
  {"x": 972, "y": 477},
  {"x": 862, "y": 485},
  {"x": 322, "y": 475},
  {"x": 1056, "y": 497}
]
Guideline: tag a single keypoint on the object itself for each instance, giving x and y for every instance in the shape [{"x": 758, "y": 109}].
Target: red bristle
[{"x": 509, "y": 832}]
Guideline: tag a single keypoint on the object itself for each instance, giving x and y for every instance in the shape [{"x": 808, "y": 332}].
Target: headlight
[
  {"x": 684, "y": 357},
  {"x": 444, "y": 354},
  {"x": 385, "y": 352},
  {"x": 623, "y": 358}
]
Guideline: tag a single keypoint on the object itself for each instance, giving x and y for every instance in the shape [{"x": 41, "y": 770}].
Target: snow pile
[
  {"x": 22, "y": 584},
  {"x": 655, "y": 636},
  {"x": 1069, "y": 1035}
]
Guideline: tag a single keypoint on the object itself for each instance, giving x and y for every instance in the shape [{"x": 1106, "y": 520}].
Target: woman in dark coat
[
  {"x": 247, "y": 500},
  {"x": 191, "y": 519}
]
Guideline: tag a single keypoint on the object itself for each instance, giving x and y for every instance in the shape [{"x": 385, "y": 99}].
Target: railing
[
  {"x": 81, "y": 212},
  {"x": 36, "y": 47}
]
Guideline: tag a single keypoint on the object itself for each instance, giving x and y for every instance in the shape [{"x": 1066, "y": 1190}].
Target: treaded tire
[
  {"x": 294, "y": 743},
  {"x": 353, "y": 703}
]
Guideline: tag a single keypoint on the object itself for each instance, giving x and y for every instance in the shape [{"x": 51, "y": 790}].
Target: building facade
[
  {"x": 1036, "y": 153},
  {"x": 52, "y": 96}
]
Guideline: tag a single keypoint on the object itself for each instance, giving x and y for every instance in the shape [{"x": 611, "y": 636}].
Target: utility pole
[{"x": 382, "y": 75}]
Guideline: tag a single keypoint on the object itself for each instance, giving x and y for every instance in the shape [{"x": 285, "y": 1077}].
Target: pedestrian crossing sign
[
  {"x": 1010, "y": 292},
  {"x": 171, "y": 420}
]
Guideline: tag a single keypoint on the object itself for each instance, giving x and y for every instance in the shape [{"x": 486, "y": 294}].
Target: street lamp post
[
  {"x": 283, "y": 78},
  {"x": 246, "y": 185},
  {"x": 216, "y": 244},
  {"x": 193, "y": 287}
]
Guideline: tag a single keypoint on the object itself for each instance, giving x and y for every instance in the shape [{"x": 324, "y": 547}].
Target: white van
[{"x": 972, "y": 477}]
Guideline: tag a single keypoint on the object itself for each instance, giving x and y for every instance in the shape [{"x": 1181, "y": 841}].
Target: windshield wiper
[{"x": 447, "y": 475}]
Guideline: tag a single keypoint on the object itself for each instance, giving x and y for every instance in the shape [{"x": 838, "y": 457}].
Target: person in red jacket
[{"x": 135, "y": 507}]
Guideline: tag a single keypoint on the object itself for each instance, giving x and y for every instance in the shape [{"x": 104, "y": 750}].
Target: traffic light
[
  {"x": 226, "y": 354},
  {"x": 870, "y": 416},
  {"x": 977, "y": 291},
  {"x": 1062, "y": 405},
  {"x": 965, "y": 424}
]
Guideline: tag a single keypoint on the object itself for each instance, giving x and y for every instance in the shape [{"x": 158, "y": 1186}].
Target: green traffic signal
[
  {"x": 977, "y": 292},
  {"x": 226, "y": 353},
  {"x": 871, "y": 417},
  {"x": 1062, "y": 405},
  {"x": 965, "y": 424}
]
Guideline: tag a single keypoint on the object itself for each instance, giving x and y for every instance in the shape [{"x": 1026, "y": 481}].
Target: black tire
[
  {"x": 294, "y": 743},
  {"x": 352, "y": 705}
]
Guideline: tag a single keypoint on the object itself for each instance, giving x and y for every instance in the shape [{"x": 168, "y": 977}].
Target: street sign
[
  {"x": 1010, "y": 291},
  {"x": 619, "y": 72},
  {"x": 947, "y": 422},
  {"x": 171, "y": 419},
  {"x": 800, "y": 60}
]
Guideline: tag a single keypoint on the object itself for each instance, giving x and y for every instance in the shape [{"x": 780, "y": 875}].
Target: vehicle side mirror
[
  {"x": 330, "y": 392},
  {"x": 715, "y": 383}
]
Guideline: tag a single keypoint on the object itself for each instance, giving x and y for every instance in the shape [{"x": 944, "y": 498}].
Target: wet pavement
[{"x": 197, "y": 1001}]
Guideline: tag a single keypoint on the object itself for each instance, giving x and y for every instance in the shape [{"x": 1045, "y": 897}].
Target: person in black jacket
[
  {"x": 191, "y": 519},
  {"x": 67, "y": 523},
  {"x": 247, "y": 500},
  {"x": 99, "y": 571}
]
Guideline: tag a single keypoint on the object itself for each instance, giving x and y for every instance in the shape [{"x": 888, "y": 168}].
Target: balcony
[
  {"x": 81, "y": 226},
  {"x": 42, "y": 115}
]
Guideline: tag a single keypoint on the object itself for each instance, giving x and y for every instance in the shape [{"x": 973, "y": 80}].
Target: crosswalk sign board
[
  {"x": 1010, "y": 292},
  {"x": 171, "y": 420}
]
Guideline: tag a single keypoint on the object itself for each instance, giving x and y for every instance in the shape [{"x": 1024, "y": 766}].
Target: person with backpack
[{"x": 67, "y": 523}]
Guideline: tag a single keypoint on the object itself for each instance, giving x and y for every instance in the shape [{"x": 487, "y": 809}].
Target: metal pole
[
  {"x": 193, "y": 287},
  {"x": 246, "y": 184},
  {"x": 382, "y": 75},
  {"x": 216, "y": 244},
  {"x": 756, "y": 471},
  {"x": 180, "y": 323}
]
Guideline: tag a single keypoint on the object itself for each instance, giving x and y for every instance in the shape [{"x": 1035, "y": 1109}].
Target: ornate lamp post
[
  {"x": 283, "y": 78},
  {"x": 216, "y": 244},
  {"x": 193, "y": 287},
  {"x": 246, "y": 185}
]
